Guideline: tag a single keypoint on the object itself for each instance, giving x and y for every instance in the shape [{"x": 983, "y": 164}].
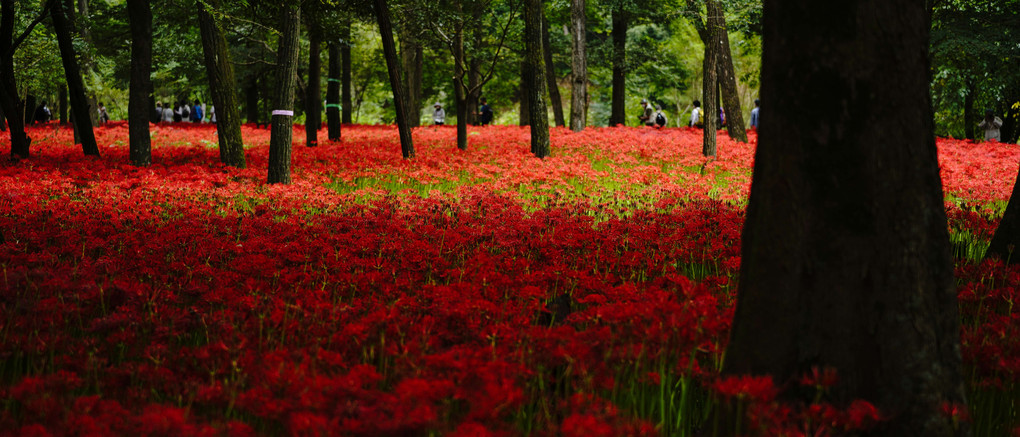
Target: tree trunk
[
  {"x": 30, "y": 104},
  {"x": 313, "y": 92},
  {"x": 222, "y": 86},
  {"x": 838, "y": 270},
  {"x": 968, "y": 108},
  {"x": 333, "y": 93},
  {"x": 282, "y": 131},
  {"x": 619, "y": 104},
  {"x": 13, "y": 107},
  {"x": 475, "y": 71},
  {"x": 709, "y": 84},
  {"x": 579, "y": 66},
  {"x": 728, "y": 79},
  {"x": 140, "y": 101},
  {"x": 411, "y": 53},
  {"x": 1007, "y": 235},
  {"x": 1009, "y": 124},
  {"x": 550, "y": 75},
  {"x": 251, "y": 101},
  {"x": 524, "y": 115},
  {"x": 533, "y": 73},
  {"x": 345, "y": 60},
  {"x": 393, "y": 68},
  {"x": 459, "y": 97},
  {"x": 87, "y": 64},
  {"x": 79, "y": 103},
  {"x": 62, "y": 98}
]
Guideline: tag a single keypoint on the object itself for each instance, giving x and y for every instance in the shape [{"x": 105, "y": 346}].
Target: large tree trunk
[
  {"x": 550, "y": 76},
  {"x": 411, "y": 53},
  {"x": 313, "y": 92},
  {"x": 838, "y": 269},
  {"x": 393, "y": 68},
  {"x": 140, "y": 101},
  {"x": 533, "y": 72},
  {"x": 282, "y": 131},
  {"x": 579, "y": 67},
  {"x": 13, "y": 107},
  {"x": 345, "y": 60},
  {"x": 1007, "y": 236},
  {"x": 223, "y": 88},
  {"x": 728, "y": 79},
  {"x": 710, "y": 84},
  {"x": 619, "y": 104},
  {"x": 79, "y": 103},
  {"x": 333, "y": 93}
]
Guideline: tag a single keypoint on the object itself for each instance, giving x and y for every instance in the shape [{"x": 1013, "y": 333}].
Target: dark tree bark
[
  {"x": 282, "y": 133},
  {"x": 222, "y": 86},
  {"x": 382, "y": 13},
  {"x": 411, "y": 54},
  {"x": 728, "y": 78},
  {"x": 550, "y": 76},
  {"x": 345, "y": 80},
  {"x": 333, "y": 93},
  {"x": 313, "y": 92},
  {"x": 30, "y": 104},
  {"x": 459, "y": 95},
  {"x": 710, "y": 84},
  {"x": 840, "y": 269},
  {"x": 140, "y": 101},
  {"x": 579, "y": 66},
  {"x": 1007, "y": 236},
  {"x": 619, "y": 33},
  {"x": 62, "y": 98},
  {"x": 79, "y": 103},
  {"x": 251, "y": 102},
  {"x": 13, "y": 107},
  {"x": 968, "y": 109},
  {"x": 533, "y": 72}
]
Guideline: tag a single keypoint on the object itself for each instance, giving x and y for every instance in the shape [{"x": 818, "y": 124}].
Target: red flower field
[{"x": 465, "y": 293}]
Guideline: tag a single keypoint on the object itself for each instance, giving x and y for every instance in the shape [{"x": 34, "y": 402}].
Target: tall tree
[
  {"x": 579, "y": 66},
  {"x": 222, "y": 85},
  {"x": 838, "y": 269},
  {"x": 140, "y": 101},
  {"x": 621, "y": 21},
  {"x": 710, "y": 84},
  {"x": 79, "y": 102},
  {"x": 345, "y": 79},
  {"x": 550, "y": 75},
  {"x": 10, "y": 102},
  {"x": 313, "y": 91},
  {"x": 333, "y": 92},
  {"x": 382, "y": 14},
  {"x": 411, "y": 59},
  {"x": 533, "y": 72},
  {"x": 282, "y": 125},
  {"x": 727, "y": 76}
]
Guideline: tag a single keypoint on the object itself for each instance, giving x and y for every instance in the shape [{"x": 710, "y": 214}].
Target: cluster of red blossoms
[{"x": 470, "y": 293}]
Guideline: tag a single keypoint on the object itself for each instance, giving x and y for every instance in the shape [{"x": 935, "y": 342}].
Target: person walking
[
  {"x": 439, "y": 116},
  {"x": 169, "y": 114},
  {"x": 991, "y": 125},
  {"x": 696, "y": 115},
  {"x": 754, "y": 114},
  {"x": 196, "y": 112},
  {"x": 484, "y": 112}
]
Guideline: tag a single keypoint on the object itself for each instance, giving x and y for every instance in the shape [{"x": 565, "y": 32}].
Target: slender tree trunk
[
  {"x": 728, "y": 79},
  {"x": 62, "y": 98},
  {"x": 333, "y": 93},
  {"x": 12, "y": 105},
  {"x": 80, "y": 26},
  {"x": 30, "y": 104},
  {"x": 579, "y": 66},
  {"x": 79, "y": 103},
  {"x": 710, "y": 85},
  {"x": 1009, "y": 124},
  {"x": 838, "y": 270},
  {"x": 968, "y": 109},
  {"x": 393, "y": 68},
  {"x": 619, "y": 33},
  {"x": 1007, "y": 236},
  {"x": 251, "y": 102},
  {"x": 282, "y": 133},
  {"x": 140, "y": 101},
  {"x": 535, "y": 97},
  {"x": 460, "y": 99},
  {"x": 345, "y": 60},
  {"x": 223, "y": 87},
  {"x": 550, "y": 75},
  {"x": 475, "y": 71},
  {"x": 411, "y": 53},
  {"x": 313, "y": 95}
]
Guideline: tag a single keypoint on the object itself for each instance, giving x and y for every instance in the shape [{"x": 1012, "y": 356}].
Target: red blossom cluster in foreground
[{"x": 461, "y": 293}]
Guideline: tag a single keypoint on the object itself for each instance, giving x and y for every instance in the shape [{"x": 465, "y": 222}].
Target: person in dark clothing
[
  {"x": 484, "y": 113},
  {"x": 42, "y": 113}
]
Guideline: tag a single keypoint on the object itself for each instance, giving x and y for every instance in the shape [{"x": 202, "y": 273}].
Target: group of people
[
  {"x": 657, "y": 118},
  {"x": 484, "y": 113},
  {"x": 183, "y": 112}
]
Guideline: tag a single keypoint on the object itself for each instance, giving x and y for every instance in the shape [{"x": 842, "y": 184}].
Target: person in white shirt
[
  {"x": 212, "y": 114},
  {"x": 439, "y": 117},
  {"x": 991, "y": 125},
  {"x": 168, "y": 113},
  {"x": 696, "y": 114}
]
